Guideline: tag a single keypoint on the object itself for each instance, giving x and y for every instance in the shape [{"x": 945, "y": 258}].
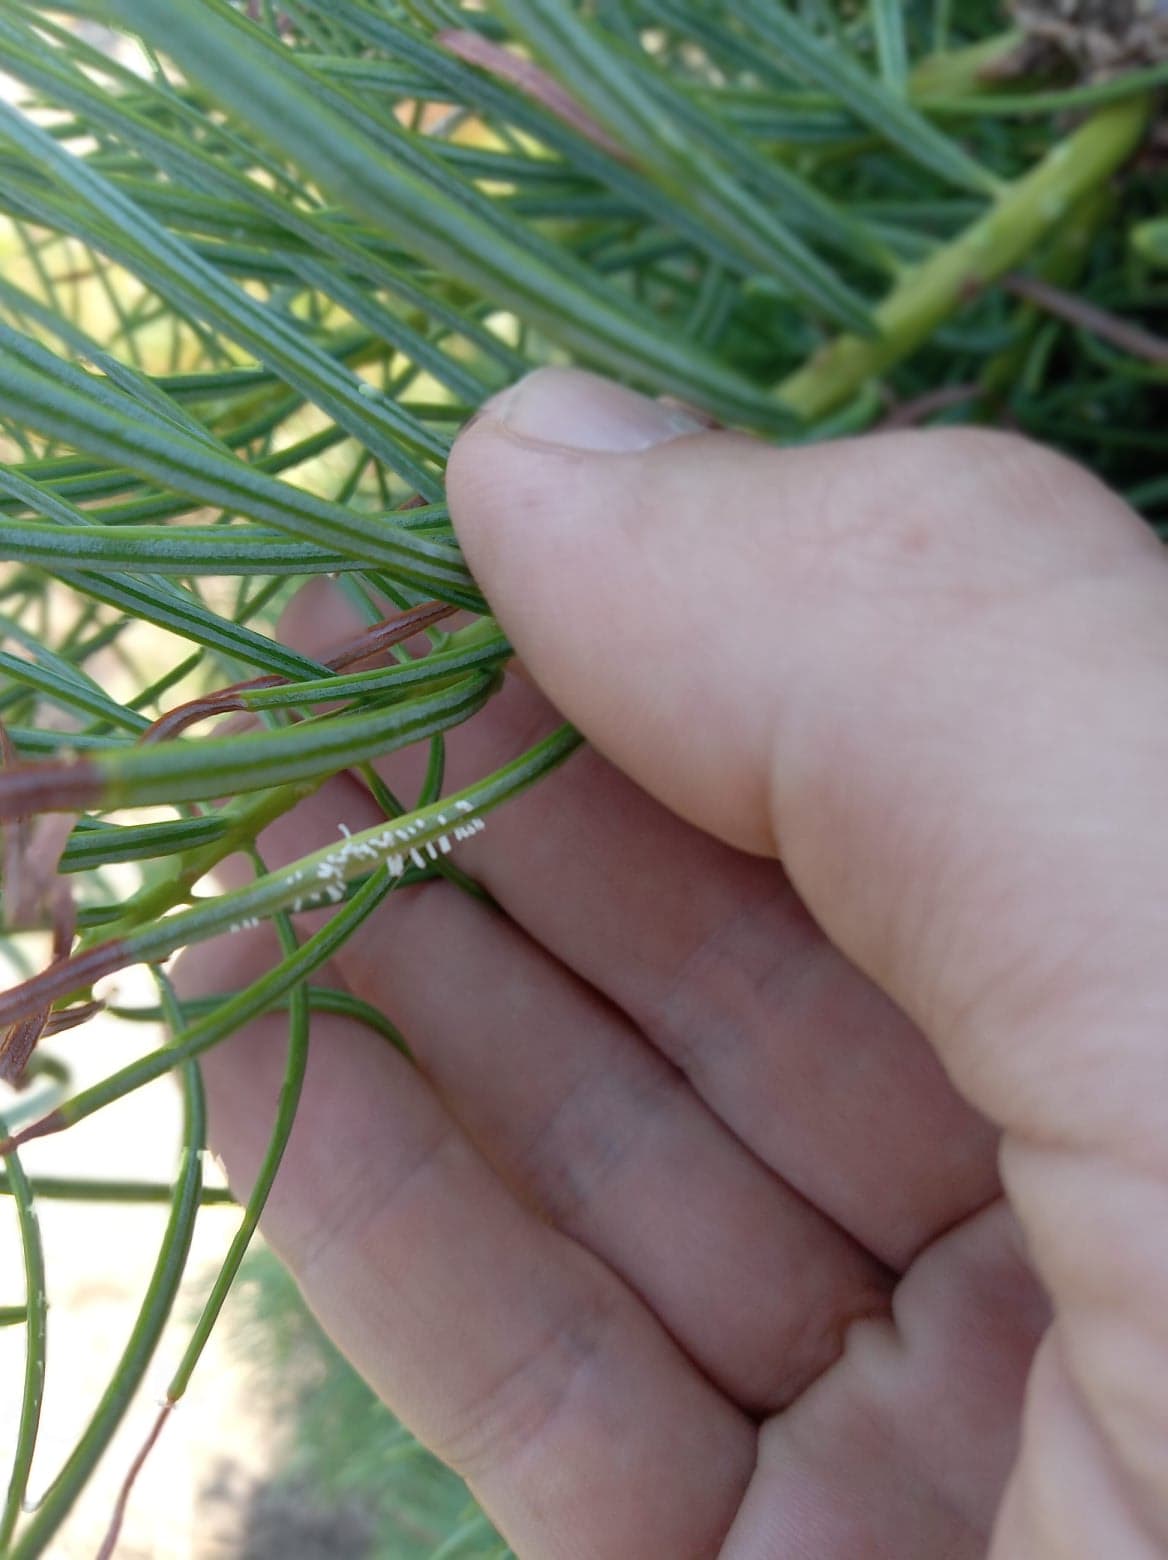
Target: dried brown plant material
[
  {"x": 17, "y": 1045},
  {"x": 1100, "y": 37},
  {"x": 35, "y": 893},
  {"x": 909, "y": 414},
  {"x": 73, "y": 1017},
  {"x": 1121, "y": 333},
  {"x": 532, "y": 79}
]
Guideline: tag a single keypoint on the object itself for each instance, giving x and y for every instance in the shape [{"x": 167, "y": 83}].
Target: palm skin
[{"x": 682, "y": 1239}]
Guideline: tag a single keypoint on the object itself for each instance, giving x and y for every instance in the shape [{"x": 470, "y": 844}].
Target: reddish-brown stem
[
  {"x": 380, "y": 637},
  {"x": 42, "y": 990},
  {"x": 909, "y": 413},
  {"x": 391, "y": 631},
  {"x": 62, "y": 787},
  {"x": 1121, "y": 333},
  {"x": 119, "y": 1512},
  {"x": 528, "y": 77},
  {"x": 176, "y": 721},
  {"x": 45, "y": 1127}
]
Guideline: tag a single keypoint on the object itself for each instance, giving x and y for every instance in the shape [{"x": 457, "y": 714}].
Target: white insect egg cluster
[{"x": 396, "y": 847}]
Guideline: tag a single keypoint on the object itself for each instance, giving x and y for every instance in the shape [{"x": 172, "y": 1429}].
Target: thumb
[
  {"x": 690, "y": 598},
  {"x": 928, "y": 670}
]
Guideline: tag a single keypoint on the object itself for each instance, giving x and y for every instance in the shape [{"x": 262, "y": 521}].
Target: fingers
[
  {"x": 904, "y": 1446},
  {"x": 1063, "y": 1444},
  {"x": 606, "y": 1139},
  {"x": 711, "y": 955},
  {"x": 509, "y": 1349},
  {"x": 593, "y": 1129},
  {"x": 930, "y": 669}
]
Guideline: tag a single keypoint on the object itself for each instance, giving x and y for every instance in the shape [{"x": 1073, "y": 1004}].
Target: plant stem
[
  {"x": 243, "y": 826},
  {"x": 67, "y": 1189},
  {"x": 954, "y": 72},
  {"x": 1061, "y": 261},
  {"x": 1021, "y": 216},
  {"x": 34, "y": 1314},
  {"x": 289, "y": 1098},
  {"x": 139, "y": 1350}
]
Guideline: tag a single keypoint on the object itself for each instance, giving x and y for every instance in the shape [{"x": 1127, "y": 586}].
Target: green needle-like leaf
[
  {"x": 780, "y": 30},
  {"x": 156, "y": 1307},
  {"x": 200, "y": 770},
  {"x": 55, "y": 398},
  {"x": 34, "y": 1317},
  {"x": 402, "y": 187},
  {"x": 694, "y": 159},
  {"x": 182, "y": 550},
  {"x": 891, "y": 45}
]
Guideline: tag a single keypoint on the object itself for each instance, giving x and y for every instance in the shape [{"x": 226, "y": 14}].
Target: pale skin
[{"x": 815, "y": 1211}]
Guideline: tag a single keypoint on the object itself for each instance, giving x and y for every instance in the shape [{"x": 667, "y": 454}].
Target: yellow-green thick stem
[
  {"x": 1023, "y": 214},
  {"x": 1060, "y": 261}
]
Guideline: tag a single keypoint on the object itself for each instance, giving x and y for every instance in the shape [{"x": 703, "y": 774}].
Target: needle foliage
[{"x": 259, "y": 261}]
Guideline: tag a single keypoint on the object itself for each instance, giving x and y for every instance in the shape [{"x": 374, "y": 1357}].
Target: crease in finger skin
[
  {"x": 713, "y": 958},
  {"x": 1060, "y": 1438},
  {"x": 903, "y": 1447},
  {"x": 624, "y": 1159},
  {"x": 580, "y": 1115},
  {"x": 505, "y": 1346},
  {"x": 585, "y": 1121}
]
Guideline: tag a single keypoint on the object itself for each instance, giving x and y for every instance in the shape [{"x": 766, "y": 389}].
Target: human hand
[{"x": 682, "y": 1239}]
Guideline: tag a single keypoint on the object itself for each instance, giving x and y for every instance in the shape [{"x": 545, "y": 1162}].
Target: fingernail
[{"x": 574, "y": 410}]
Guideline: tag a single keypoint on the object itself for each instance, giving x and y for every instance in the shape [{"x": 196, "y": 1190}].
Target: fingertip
[
  {"x": 533, "y": 440},
  {"x": 475, "y": 483},
  {"x": 576, "y": 503},
  {"x": 572, "y": 410}
]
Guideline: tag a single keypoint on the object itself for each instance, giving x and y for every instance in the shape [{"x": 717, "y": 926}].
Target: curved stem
[
  {"x": 304, "y": 884},
  {"x": 139, "y": 1351},
  {"x": 35, "y": 1310},
  {"x": 297, "y": 1062},
  {"x": 289, "y": 1098}
]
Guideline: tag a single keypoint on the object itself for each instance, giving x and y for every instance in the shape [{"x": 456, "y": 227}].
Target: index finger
[{"x": 516, "y": 1355}]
